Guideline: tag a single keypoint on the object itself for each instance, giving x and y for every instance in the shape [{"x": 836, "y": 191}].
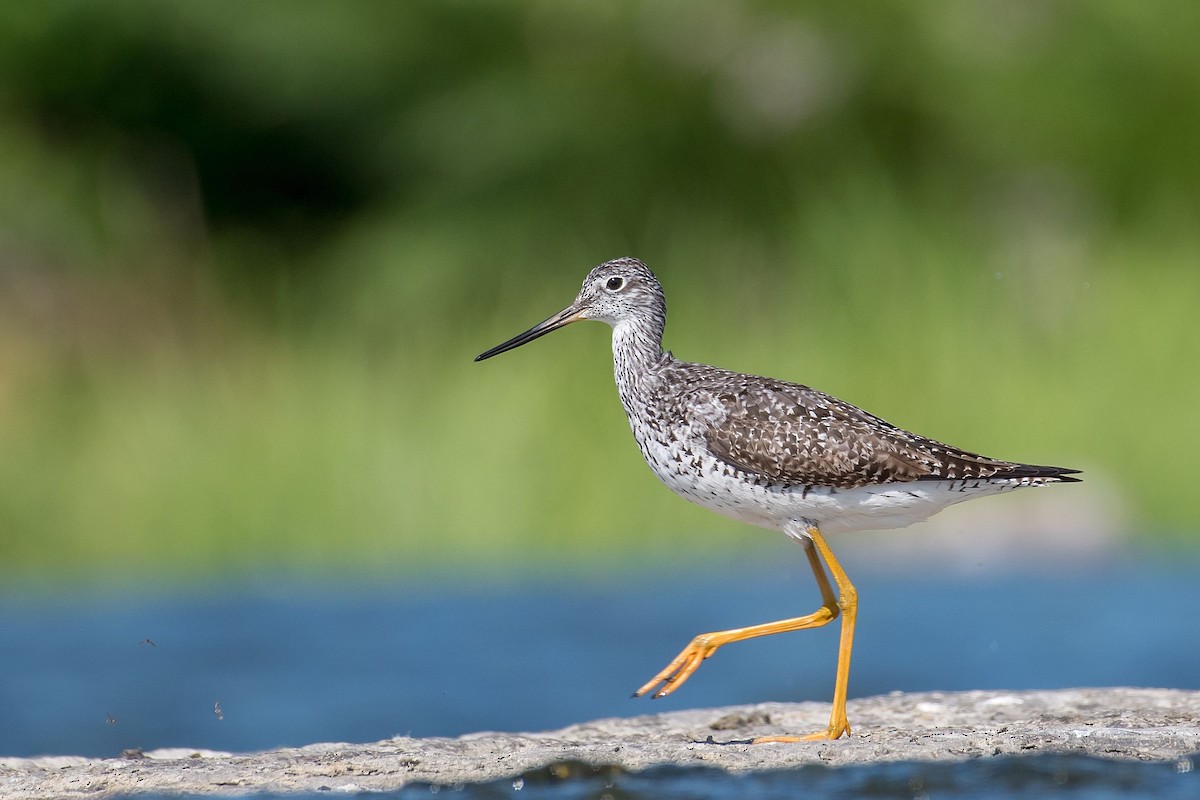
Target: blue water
[
  {"x": 288, "y": 663},
  {"x": 1035, "y": 777},
  {"x": 1056, "y": 777}
]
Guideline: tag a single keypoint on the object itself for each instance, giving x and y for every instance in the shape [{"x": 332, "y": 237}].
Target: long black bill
[{"x": 565, "y": 317}]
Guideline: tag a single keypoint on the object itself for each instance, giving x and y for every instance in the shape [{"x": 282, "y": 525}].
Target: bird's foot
[
  {"x": 836, "y": 730},
  {"x": 681, "y": 667}
]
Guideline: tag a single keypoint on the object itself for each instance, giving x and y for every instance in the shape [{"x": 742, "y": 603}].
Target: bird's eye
[{"x": 614, "y": 284}]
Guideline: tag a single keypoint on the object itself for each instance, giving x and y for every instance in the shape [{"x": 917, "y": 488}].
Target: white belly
[{"x": 699, "y": 477}]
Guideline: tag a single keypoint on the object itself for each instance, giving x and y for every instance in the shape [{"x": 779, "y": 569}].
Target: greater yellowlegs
[{"x": 773, "y": 454}]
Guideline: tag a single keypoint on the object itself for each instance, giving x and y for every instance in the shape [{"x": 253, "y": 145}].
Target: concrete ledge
[{"x": 1145, "y": 724}]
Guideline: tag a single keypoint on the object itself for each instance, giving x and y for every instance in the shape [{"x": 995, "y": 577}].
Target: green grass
[
  {"x": 345, "y": 449},
  {"x": 247, "y": 256}
]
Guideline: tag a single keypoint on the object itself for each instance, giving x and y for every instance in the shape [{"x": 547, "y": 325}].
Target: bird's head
[{"x": 617, "y": 291}]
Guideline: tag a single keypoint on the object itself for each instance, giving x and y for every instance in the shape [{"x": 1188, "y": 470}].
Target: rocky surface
[{"x": 1146, "y": 724}]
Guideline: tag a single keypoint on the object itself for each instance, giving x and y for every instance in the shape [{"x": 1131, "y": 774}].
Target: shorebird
[{"x": 773, "y": 454}]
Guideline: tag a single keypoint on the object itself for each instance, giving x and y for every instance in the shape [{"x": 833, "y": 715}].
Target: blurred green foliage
[{"x": 248, "y": 250}]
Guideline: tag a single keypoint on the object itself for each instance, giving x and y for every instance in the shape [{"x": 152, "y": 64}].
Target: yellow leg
[
  {"x": 846, "y": 603},
  {"x": 839, "y": 726},
  {"x": 689, "y": 659}
]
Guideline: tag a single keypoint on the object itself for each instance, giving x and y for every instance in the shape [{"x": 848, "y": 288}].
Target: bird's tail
[{"x": 1049, "y": 474}]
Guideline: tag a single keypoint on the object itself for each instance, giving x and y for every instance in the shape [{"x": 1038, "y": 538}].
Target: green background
[{"x": 249, "y": 250}]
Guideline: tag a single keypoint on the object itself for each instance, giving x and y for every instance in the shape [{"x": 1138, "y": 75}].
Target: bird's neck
[{"x": 637, "y": 353}]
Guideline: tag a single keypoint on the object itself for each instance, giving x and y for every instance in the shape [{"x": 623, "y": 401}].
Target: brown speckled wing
[{"x": 795, "y": 435}]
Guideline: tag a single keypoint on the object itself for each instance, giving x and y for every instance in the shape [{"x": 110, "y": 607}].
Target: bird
[{"x": 774, "y": 454}]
